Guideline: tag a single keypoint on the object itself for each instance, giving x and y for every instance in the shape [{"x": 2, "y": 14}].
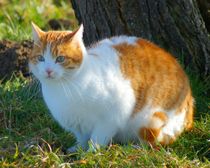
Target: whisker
[
  {"x": 79, "y": 88},
  {"x": 75, "y": 87},
  {"x": 68, "y": 88},
  {"x": 36, "y": 44},
  {"x": 78, "y": 91},
  {"x": 64, "y": 89}
]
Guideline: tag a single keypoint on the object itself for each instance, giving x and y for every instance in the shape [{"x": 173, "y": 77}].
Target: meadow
[{"x": 29, "y": 136}]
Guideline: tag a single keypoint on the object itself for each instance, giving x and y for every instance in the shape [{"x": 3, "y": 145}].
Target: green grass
[
  {"x": 29, "y": 137},
  {"x": 16, "y": 16}
]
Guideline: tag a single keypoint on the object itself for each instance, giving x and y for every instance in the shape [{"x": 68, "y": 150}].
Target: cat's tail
[
  {"x": 183, "y": 120},
  {"x": 165, "y": 127},
  {"x": 189, "y": 111}
]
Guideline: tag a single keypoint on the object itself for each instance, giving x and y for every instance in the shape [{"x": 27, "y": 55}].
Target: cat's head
[{"x": 56, "y": 54}]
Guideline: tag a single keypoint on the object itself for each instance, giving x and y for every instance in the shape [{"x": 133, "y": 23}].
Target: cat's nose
[{"x": 49, "y": 72}]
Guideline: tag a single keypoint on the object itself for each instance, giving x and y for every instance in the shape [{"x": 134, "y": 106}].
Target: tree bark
[
  {"x": 176, "y": 26},
  {"x": 204, "y": 6}
]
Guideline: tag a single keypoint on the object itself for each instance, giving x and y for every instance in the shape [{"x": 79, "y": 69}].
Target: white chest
[
  {"x": 69, "y": 105},
  {"x": 82, "y": 106},
  {"x": 98, "y": 94}
]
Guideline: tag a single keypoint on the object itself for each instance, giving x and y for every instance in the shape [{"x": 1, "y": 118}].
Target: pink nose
[{"x": 49, "y": 72}]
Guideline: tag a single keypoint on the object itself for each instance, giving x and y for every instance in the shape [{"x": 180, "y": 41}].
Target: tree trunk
[
  {"x": 204, "y": 6},
  {"x": 174, "y": 25}
]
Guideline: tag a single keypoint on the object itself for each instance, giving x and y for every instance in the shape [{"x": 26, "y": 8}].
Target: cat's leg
[
  {"x": 101, "y": 135},
  {"x": 174, "y": 127},
  {"x": 163, "y": 129},
  {"x": 82, "y": 142}
]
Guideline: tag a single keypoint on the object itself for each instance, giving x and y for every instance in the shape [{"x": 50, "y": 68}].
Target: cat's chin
[
  {"x": 49, "y": 79},
  {"x": 53, "y": 78}
]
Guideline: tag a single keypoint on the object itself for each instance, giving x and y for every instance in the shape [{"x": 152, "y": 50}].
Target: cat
[{"x": 122, "y": 88}]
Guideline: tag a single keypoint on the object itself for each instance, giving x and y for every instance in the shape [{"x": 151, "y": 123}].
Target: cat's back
[
  {"x": 154, "y": 74},
  {"x": 160, "y": 86},
  {"x": 138, "y": 57},
  {"x": 105, "y": 50}
]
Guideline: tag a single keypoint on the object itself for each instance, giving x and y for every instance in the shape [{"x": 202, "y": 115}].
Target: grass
[
  {"x": 17, "y": 15},
  {"x": 29, "y": 137}
]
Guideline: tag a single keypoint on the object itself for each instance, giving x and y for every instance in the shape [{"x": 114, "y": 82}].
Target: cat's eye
[
  {"x": 41, "y": 58},
  {"x": 60, "y": 59}
]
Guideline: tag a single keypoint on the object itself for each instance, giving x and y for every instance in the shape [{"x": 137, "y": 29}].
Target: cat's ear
[
  {"x": 75, "y": 37},
  {"x": 37, "y": 32},
  {"x": 78, "y": 34}
]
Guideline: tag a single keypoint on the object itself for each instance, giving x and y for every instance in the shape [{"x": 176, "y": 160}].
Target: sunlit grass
[
  {"x": 30, "y": 137},
  {"x": 16, "y": 16}
]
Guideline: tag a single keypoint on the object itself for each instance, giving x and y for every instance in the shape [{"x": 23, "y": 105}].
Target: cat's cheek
[
  {"x": 39, "y": 72},
  {"x": 59, "y": 75},
  {"x": 34, "y": 69},
  {"x": 59, "y": 72}
]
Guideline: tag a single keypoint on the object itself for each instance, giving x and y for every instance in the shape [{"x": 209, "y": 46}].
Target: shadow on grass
[{"x": 25, "y": 121}]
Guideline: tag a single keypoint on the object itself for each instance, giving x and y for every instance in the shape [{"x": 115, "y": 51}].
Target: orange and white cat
[{"x": 122, "y": 88}]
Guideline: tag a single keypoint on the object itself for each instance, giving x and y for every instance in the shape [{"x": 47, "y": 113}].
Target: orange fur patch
[
  {"x": 149, "y": 134},
  {"x": 72, "y": 53},
  {"x": 162, "y": 116},
  {"x": 155, "y": 75},
  {"x": 60, "y": 43}
]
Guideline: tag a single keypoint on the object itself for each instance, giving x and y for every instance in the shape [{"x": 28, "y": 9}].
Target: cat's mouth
[
  {"x": 50, "y": 77},
  {"x": 50, "y": 74}
]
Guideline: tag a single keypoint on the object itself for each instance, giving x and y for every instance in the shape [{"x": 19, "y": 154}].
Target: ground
[{"x": 30, "y": 137}]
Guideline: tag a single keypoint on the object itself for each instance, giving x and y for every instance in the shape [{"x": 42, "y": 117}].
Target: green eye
[
  {"x": 41, "y": 58},
  {"x": 60, "y": 59}
]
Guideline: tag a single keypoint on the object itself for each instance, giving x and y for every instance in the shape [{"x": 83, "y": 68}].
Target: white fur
[
  {"x": 95, "y": 101},
  {"x": 123, "y": 39}
]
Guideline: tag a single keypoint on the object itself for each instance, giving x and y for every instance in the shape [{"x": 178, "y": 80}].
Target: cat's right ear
[{"x": 37, "y": 33}]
